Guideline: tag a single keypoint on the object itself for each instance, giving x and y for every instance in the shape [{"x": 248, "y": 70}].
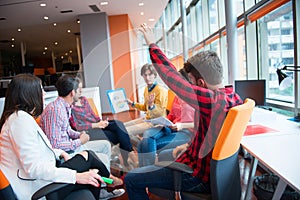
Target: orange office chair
[
  {"x": 171, "y": 96},
  {"x": 48, "y": 191},
  {"x": 93, "y": 106},
  {"x": 224, "y": 164},
  {"x": 6, "y": 192}
]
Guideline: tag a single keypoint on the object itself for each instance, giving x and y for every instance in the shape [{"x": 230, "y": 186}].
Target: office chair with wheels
[
  {"x": 48, "y": 191},
  {"x": 224, "y": 165}
]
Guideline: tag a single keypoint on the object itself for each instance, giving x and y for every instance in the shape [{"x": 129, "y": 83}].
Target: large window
[
  {"x": 213, "y": 16},
  {"x": 277, "y": 49},
  {"x": 265, "y": 40}
]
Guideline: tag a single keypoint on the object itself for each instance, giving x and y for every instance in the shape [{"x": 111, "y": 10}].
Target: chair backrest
[
  {"x": 232, "y": 131},
  {"x": 93, "y": 106},
  {"x": 6, "y": 192},
  {"x": 171, "y": 96},
  {"x": 225, "y": 173}
]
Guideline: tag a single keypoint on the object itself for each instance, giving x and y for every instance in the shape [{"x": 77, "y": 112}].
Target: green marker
[{"x": 107, "y": 180}]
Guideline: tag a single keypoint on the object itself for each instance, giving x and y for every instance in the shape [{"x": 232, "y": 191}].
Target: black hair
[
  {"x": 65, "y": 84},
  {"x": 24, "y": 93}
]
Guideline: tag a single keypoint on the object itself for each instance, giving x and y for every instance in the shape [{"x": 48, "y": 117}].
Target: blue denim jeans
[
  {"x": 138, "y": 179},
  {"x": 157, "y": 139}
]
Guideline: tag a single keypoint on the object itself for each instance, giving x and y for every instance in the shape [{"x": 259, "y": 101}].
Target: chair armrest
[
  {"x": 175, "y": 166},
  {"x": 52, "y": 187}
]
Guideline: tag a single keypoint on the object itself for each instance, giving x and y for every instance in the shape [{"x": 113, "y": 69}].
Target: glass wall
[
  {"x": 265, "y": 40},
  {"x": 275, "y": 33}
]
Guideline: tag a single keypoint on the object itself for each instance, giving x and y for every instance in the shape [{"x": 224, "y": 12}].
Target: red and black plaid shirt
[{"x": 210, "y": 106}]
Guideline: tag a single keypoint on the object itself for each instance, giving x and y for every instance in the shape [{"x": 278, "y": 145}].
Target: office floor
[{"x": 244, "y": 164}]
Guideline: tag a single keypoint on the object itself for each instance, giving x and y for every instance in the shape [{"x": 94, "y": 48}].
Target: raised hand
[{"x": 148, "y": 33}]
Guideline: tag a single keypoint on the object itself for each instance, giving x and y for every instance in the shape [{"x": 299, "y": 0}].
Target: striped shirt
[
  {"x": 55, "y": 124},
  {"x": 210, "y": 107}
]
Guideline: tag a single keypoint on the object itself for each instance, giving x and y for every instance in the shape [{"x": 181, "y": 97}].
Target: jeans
[
  {"x": 137, "y": 126},
  {"x": 116, "y": 133},
  {"x": 157, "y": 139},
  {"x": 153, "y": 176}
]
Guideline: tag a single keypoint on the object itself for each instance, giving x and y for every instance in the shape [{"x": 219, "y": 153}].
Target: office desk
[{"x": 278, "y": 151}]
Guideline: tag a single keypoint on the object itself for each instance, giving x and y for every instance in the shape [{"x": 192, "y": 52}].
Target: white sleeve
[{"x": 37, "y": 159}]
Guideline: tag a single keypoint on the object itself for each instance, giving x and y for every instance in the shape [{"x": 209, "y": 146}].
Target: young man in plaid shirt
[{"x": 211, "y": 102}]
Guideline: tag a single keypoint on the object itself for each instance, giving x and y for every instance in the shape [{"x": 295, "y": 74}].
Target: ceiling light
[
  {"x": 19, "y": 30},
  {"x": 12, "y": 45},
  {"x": 103, "y": 3},
  {"x": 46, "y": 17},
  {"x": 151, "y": 20},
  {"x": 12, "y": 39},
  {"x": 43, "y": 4},
  {"x": 94, "y": 8},
  {"x": 66, "y": 11},
  {"x": 55, "y": 43},
  {"x": 62, "y": 57},
  {"x": 141, "y": 4},
  {"x": 78, "y": 21},
  {"x": 45, "y": 48},
  {"x": 44, "y": 52},
  {"x": 54, "y": 24},
  {"x": 69, "y": 31},
  {"x": 70, "y": 51},
  {"x": 66, "y": 54},
  {"x": 142, "y": 13}
]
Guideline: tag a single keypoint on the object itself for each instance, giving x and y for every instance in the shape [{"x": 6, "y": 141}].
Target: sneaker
[{"x": 104, "y": 194}]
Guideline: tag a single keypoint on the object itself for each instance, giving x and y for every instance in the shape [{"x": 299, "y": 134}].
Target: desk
[{"x": 278, "y": 151}]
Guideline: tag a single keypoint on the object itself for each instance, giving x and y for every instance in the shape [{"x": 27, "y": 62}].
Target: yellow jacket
[{"x": 160, "y": 102}]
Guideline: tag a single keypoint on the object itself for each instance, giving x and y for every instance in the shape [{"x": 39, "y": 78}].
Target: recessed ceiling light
[
  {"x": 142, "y": 13},
  {"x": 55, "y": 43},
  {"x": 151, "y": 20},
  {"x": 70, "y": 51},
  {"x": 66, "y": 54},
  {"x": 62, "y": 57},
  {"x": 12, "y": 45},
  {"x": 69, "y": 31},
  {"x": 19, "y": 30},
  {"x": 45, "y": 48},
  {"x": 103, "y": 3},
  {"x": 43, "y": 4},
  {"x": 46, "y": 17},
  {"x": 44, "y": 52},
  {"x": 12, "y": 39},
  {"x": 54, "y": 24},
  {"x": 78, "y": 21},
  {"x": 141, "y": 4}
]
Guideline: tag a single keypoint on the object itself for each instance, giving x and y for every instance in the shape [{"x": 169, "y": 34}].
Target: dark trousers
[
  {"x": 116, "y": 133},
  {"x": 80, "y": 164}
]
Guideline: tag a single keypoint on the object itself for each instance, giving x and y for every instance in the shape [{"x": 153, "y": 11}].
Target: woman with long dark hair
[{"x": 26, "y": 155}]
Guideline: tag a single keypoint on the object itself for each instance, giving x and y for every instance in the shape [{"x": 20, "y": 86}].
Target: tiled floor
[{"x": 244, "y": 164}]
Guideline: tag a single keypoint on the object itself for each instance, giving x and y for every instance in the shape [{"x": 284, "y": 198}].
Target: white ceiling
[{"x": 38, "y": 33}]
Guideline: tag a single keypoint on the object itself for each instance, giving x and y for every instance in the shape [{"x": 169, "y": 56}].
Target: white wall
[{"x": 91, "y": 92}]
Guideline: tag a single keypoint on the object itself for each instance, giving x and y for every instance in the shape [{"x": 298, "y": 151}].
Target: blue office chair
[
  {"x": 48, "y": 191},
  {"x": 224, "y": 165}
]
